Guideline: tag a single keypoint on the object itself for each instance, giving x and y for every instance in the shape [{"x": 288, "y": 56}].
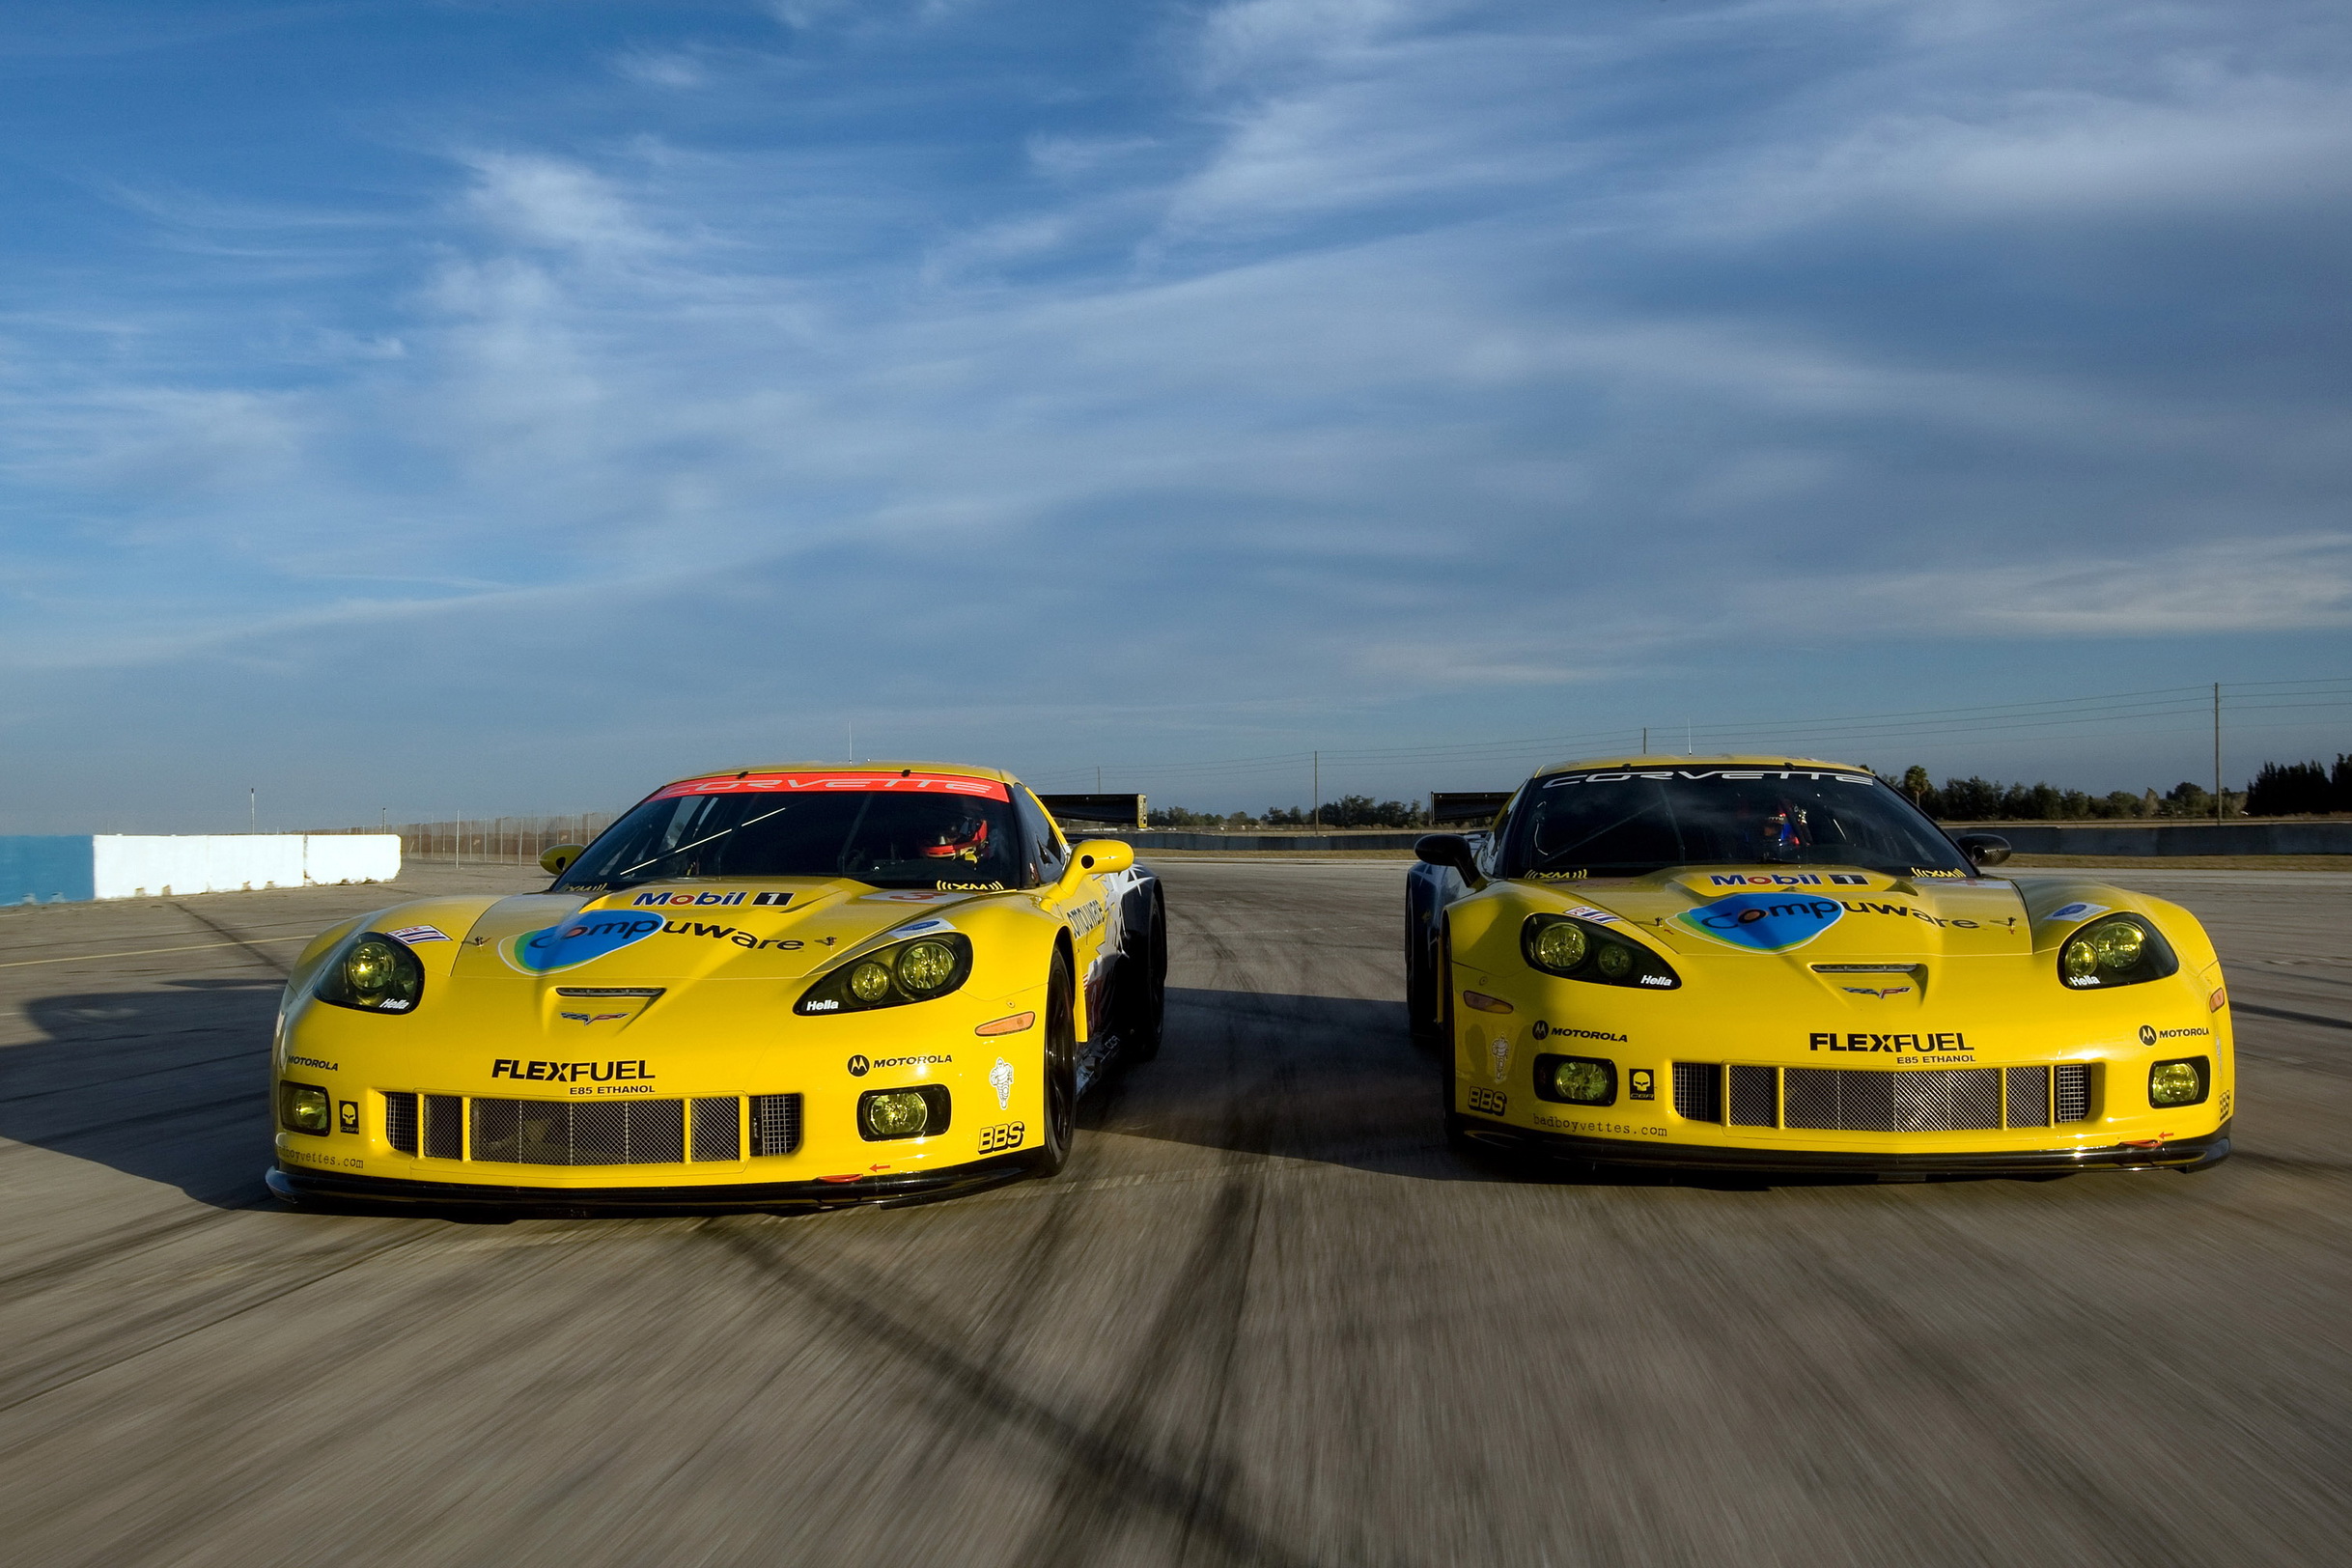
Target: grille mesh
[
  {"x": 444, "y": 1126},
  {"x": 775, "y": 1123},
  {"x": 399, "y": 1122},
  {"x": 2073, "y": 1092},
  {"x": 2029, "y": 1096},
  {"x": 562, "y": 1132},
  {"x": 719, "y": 1132},
  {"x": 1698, "y": 1091},
  {"x": 1755, "y": 1096},
  {"x": 1928, "y": 1100}
]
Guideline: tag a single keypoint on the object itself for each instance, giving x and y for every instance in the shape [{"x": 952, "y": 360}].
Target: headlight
[
  {"x": 2120, "y": 950},
  {"x": 919, "y": 1112},
  {"x": 1576, "y": 1081},
  {"x": 930, "y": 965},
  {"x": 374, "y": 973},
  {"x": 2182, "y": 1083},
  {"x": 304, "y": 1108},
  {"x": 1580, "y": 950}
]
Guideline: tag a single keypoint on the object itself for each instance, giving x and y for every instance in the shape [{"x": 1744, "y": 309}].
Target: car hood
[
  {"x": 775, "y": 929},
  {"x": 1820, "y": 913}
]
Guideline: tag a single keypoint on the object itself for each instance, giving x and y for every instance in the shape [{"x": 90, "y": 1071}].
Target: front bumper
[
  {"x": 2181, "y": 1154},
  {"x": 299, "y": 1185}
]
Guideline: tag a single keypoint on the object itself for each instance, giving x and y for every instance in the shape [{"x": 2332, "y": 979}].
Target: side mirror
[
  {"x": 1095, "y": 858},
  {"x": 1984, "y": 849},
  {"x": 557, "y": 860},
  {"x": 1453, "y": 852}
]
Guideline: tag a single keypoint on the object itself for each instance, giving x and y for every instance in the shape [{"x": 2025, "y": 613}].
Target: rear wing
[
  {"x": 1466, "y": 807},
  {"x": 1124, "y": 812}
]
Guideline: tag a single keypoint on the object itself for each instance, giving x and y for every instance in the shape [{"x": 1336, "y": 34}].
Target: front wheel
[{"x": 1060, "y": 1129}]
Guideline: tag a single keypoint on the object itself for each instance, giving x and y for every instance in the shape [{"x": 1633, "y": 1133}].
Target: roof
[
  {"x": 1720, "y": 760},
  {"x": 880, "y": 764}
]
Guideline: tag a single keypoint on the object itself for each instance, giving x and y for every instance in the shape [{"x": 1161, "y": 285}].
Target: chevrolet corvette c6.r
[
  {"x": 1782, "y": 965},
  {"x": 780, "y": 987}
]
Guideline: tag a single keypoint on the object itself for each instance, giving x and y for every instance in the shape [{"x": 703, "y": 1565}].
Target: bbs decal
[
  {"x": 1006, "y": 1136},
  {"x": 1489, "y": 1101}
]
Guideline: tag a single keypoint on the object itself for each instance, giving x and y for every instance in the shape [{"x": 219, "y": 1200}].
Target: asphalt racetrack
[{"x": 1265, "y": 1317}]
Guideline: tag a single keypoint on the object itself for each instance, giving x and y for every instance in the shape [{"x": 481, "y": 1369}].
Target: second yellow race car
[
  {"x": 778, "y": 987},
  {"x": 1779, "y": 964}
]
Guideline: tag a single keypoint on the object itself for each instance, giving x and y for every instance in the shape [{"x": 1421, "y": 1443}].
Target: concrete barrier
[
  {"x": 2160, "y": 839},
  {"x": 53, "y": 869}
]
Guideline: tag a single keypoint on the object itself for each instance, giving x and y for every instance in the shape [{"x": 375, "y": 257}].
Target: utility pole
[
  {"x": 1317, "y": 789},
  {"x": 1645, "y": 740},
  {"x": 1098, "y": 778},
  {"x": 253, "y": 811},
  {"x": 2217, "y": 753},
  {"x": 853, "y": 740}
]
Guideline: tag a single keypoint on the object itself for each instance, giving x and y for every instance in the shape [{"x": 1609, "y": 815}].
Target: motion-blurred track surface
[{"x": 1266, "y": 1318}]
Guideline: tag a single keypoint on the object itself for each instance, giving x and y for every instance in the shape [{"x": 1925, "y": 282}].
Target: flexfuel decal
[{"x": 1764, "y": 922}]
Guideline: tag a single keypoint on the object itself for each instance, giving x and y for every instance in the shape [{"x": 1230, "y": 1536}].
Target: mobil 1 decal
[{"x": 1764, "y": 922}]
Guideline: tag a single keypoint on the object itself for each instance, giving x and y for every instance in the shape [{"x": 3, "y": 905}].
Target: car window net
[
  {"x": 872, "y": 836},
  {"x": 1620, "y": 824}
]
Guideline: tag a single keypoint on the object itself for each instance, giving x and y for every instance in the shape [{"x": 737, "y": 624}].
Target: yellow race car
[
  {"x": 780, "y": 987},
  {"x": 1781, "y": 964}
]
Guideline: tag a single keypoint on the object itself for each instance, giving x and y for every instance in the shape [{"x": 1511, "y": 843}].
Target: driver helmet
[{"x": 961, "y": 837}]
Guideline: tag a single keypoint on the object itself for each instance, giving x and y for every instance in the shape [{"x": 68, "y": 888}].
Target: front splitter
[
  {"x": 300, "y": 1187},
  {"x": 2182, "y": 1155}
]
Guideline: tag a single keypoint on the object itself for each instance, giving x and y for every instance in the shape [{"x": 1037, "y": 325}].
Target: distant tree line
[
  {"x": 1348, "y": 811},
  {"x": 2279, "y": 790},
  {"x": 2296, "y": 789}
]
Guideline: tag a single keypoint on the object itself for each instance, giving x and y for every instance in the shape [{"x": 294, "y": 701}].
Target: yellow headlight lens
[
  {"x": 1614, "y": 961},
  {"x": 869, "y": 982},
  {"x": 2119, "y": 944},
  {"x": 1561, "y": 945},
  {"x": 2080, "y": 959},
  {"x": 369, "y": 968},
  {"x": 1587, "y": 1084},
  {"x": 305, "y": 1109},
  {"x": 925, "y": 966},
  {"x": 897, "y": 1114},
  {"x": 2175, "y": 1083}
]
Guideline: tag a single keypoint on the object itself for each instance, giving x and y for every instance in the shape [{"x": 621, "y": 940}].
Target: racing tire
[
  {"x": 1058, "y": 1130},
  {"x": 1144, "y": 990},
  {"x": 1420, "y": 980},
  {"x": 1457, "y": 1134}
]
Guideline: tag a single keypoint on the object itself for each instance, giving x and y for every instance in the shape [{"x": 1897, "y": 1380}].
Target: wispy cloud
[{"x": 1324, "y": 358}]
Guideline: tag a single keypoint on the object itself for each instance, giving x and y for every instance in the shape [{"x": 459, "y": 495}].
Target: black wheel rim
[{"x": 1061, "y": 1114}]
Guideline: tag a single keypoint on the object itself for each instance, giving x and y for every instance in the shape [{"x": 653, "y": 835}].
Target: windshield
[
  {"x": 890, "y": 829},
  {"x": 1620, "y": 823}
]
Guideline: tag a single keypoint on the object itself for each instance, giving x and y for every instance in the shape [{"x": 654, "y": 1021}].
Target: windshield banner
[{"x": 790, "y": 783}]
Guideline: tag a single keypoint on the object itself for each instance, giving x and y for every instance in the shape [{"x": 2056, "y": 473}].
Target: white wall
[{"x": 128, "y": 866}]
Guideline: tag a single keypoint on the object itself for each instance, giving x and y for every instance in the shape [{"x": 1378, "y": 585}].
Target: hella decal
[{"x": 1764, "y": 922}]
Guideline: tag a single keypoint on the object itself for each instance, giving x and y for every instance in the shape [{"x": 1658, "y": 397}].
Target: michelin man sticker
[
  {"x": 1501, "y": 1049},
  {"x": 1000, "y": 1079}
]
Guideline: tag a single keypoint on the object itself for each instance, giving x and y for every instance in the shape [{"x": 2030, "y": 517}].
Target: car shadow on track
[
  {"x": 170, "y": 1085},
  {"x": 1339, "y": 1080}
]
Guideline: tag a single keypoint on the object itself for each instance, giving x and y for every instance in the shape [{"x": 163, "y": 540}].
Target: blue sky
[{"x": 504, "y": 406}]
